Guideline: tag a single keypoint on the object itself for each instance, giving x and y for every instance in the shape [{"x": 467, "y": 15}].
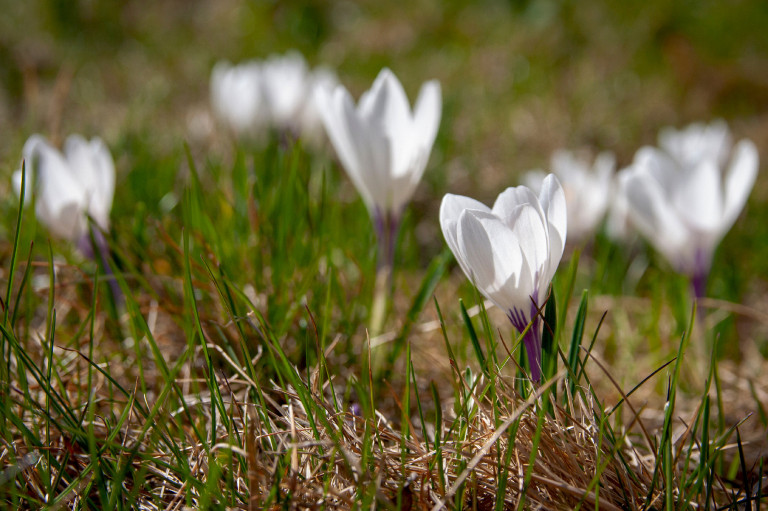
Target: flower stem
[
  {"x": 700, "y": 273},
  {"x": 85, "y": 244},
  {"x": 699, "y": 284},
  {"x": 387, "y": 225}
]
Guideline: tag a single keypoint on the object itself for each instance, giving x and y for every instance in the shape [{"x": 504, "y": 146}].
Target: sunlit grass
[{"x": 233, "y": 374}]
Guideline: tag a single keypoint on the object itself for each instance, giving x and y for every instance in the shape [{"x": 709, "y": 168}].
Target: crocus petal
[
  {"x": 698, "y": 199},
  {"x": 236, "y": 95},
  {"x": 652, "y": 214},
  {"x": 530, "y": 230},
  {"x": 386, "y": 111},
  {"x": 493, "y": 253},
  {"x": 739, "y": 180},
  {"x": 426, "y": 114},
  {"x": 552, "y": 200},
  {"x": 659, "y": 166},
  {"x": 285, "y": 84},
  {"x": 61, "y": 200},
  {"x": 92, "y": 167},
  {"x": 29, "y": 153},
  {"x": 386, "y": 104},
  {"x": 451, "y": 208},
  {"x": 371, "y": 174},
  {"x": 340, "y": 120},
  {"x": 696, "y": 143},
  {"x": 506, "y": 204}
]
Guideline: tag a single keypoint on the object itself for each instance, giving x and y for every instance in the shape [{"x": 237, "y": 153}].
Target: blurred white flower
[
  {"x": 587, "y": 186},
  {"x": 697, "y": 143},
  {"x": 685, "y": 201},
  {"x": 383, "y": 146},
  {"x": 511, "y": 252},
  {"x": 278, "y": 92},
  {"x": 70, "y": 186},
  {"x": 285, "y": 81},
  {"x": 237, "y": 98}
]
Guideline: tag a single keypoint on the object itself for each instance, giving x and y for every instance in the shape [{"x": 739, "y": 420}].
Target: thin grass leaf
[
  {"x": 473, "y": 338},
  {"x": 434, "y": 273},
  {"x": 576, "y": 338}
]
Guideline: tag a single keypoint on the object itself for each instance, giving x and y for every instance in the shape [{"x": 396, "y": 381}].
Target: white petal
[
  {"x": 451, "y": 208},
  {"x": 29, "y": 154},
  {"x": 426, "y": 114},
  {"x": 660, "y": 166},
  {"x": 654, "y": 217},
  {"x": 100, "y": 203},
  {"x": 385, "y": 103},
  {"x": 388, "y": 114},
  {"x": 337, "y": 111},
  {"x": 93, "y": 169},
  {"x": 530, "y": 230},
  {"x": 699, "y": 199},
  {"x": 285, "y": 83},
  {"x": 372, "y": 176},
  {"x": 492, "y": 253},
  {"x": 61, "y": 201},
  {"x": 506, "y": 204},
  {"x": 739, "y": 180},
  {"x": 236, "y": 95},
  {"x": 552, "y": 200}
]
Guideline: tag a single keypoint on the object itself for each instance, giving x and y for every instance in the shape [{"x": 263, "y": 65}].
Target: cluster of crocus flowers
[
  {"x": 384, "y": 147},
  {"x": 588, "y": 189},
  {"x": 685, "y": 195},
  {"x": 280, "y": 92},
  {"x": 511, "y": 251},
  {"x": 73, "y": 190}
]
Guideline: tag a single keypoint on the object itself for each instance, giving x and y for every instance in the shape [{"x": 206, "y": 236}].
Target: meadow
[{"x": 230, "y": 370}]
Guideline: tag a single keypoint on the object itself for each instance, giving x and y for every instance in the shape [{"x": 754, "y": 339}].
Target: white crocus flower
[
  {"x": 285, "y": 89},
  {"x": 237, "y": 98},
  {"x": 511, "y": 251},
  {"x": 685, "y": 202},
  {"x": 384, "y": 147},
  {"x": 587, "y": 186},
  {"x": 70, "y": 186}
]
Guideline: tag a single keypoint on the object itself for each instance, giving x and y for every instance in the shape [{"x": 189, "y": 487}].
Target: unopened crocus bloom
[
  {"x": 384, "y": 147},
  {"x": 511, "y": 251},
  {"x": 686, "y": 196},
  {"x": 587, "y": 186},
  {"x": 71, "y": 187},
  {"x": 285, "y": 89},
  {"x": 237, "y": 98}
]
